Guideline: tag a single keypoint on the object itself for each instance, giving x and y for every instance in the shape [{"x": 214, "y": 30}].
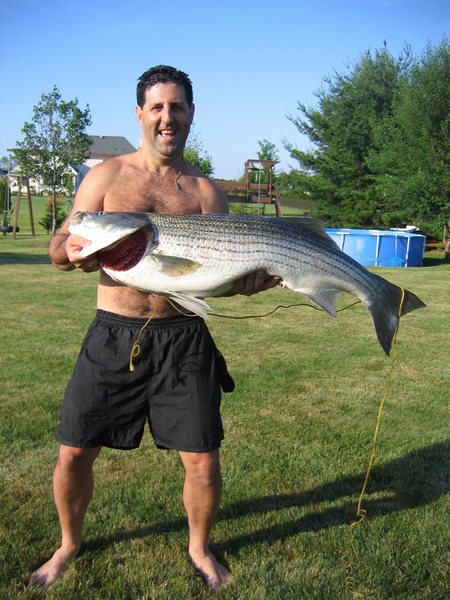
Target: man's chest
[{"x": 159, "y": 197}]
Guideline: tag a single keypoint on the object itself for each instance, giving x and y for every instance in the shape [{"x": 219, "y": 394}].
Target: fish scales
[{"x": 190, "y": 257}]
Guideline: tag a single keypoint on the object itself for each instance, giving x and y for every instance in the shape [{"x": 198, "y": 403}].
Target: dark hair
[{"x": 163, "y": 74}]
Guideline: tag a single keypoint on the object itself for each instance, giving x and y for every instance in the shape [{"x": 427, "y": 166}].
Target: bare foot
[
  {"x": 52, "y": 570},
  {"x": 211, "y": 571}
]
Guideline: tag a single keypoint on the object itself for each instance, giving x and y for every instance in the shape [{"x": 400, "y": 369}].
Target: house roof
[{"x": 108, "y": 146}]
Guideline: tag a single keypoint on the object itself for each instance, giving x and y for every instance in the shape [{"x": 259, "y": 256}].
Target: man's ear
[{"x": 138, "y": 111}]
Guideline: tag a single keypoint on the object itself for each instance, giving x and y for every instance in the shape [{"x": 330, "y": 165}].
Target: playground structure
[
  {"x": 14, "y": 228},
  {"x": 257, "y": 187}
]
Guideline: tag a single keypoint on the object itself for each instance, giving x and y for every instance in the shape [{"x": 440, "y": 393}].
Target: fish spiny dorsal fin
[{"x": 314, "y": 225}]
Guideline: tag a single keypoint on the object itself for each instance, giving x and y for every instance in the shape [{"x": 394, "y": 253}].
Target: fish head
[{"x": 103, "y": 229}]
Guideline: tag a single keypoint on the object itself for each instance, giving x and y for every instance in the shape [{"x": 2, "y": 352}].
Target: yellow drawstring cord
[{"x": 136, "y": 349}]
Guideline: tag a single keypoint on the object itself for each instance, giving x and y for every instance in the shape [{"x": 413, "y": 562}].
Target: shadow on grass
[
  {"x": 416, "y": 479},
  {"x": 14, "y": 258},
  {"x": 434, "y": 261}
]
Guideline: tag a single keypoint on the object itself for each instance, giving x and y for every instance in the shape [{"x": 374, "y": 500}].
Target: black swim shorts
[{"x": 175, "y": 386}]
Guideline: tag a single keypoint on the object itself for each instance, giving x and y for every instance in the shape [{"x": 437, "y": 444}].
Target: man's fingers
[{"x": 256, "y": 282}]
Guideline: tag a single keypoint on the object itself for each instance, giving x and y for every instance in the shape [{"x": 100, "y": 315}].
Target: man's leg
[
  {"x": 73, "y": 484},
  {"x": 201, "y": 497}
]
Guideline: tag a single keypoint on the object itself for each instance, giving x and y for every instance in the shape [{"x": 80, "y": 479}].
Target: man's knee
[
  {"x": 204, "y": 466},
  {"x": 71, "y": 459}
]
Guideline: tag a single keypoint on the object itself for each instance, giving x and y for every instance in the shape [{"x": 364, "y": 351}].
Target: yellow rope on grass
[{"x": 361, "y": 513}]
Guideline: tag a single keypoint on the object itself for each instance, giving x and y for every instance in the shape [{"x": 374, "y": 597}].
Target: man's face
[{"x": 165, "y": 119}]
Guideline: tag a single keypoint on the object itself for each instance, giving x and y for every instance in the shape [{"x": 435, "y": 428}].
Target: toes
[
  {"x": 217, "y": 577},
  {"x": 39, "y": 580}
]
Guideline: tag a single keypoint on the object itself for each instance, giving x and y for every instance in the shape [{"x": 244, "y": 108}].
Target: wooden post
[
  {"x": 30, "y": 206},
  {"x": 16, "y": 211}
]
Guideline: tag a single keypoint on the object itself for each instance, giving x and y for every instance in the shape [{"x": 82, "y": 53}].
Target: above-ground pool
[{"x": 381, "y": 248}]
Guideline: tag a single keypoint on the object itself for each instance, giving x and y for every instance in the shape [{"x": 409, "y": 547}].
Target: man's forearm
[{"x": 58, "y": 254}]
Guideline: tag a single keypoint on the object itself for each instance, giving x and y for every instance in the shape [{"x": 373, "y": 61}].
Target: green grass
[{"x": 298, "y": 438}]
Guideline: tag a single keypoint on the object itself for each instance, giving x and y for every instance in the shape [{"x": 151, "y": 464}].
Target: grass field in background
[{"x": 298, "y": 438}]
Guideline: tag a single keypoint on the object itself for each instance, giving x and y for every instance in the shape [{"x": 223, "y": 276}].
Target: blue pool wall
[{"x": 381, "y": 248}]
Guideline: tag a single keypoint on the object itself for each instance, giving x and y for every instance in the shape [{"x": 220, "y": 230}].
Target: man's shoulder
[
  {"x": 115, "y": 164},
  {"x": 108, "y": 171},
  {"x": 213, "y": 197},
  {"x": 202, "y": 179}
]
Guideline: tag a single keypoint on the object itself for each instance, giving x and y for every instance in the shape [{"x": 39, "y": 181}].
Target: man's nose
[{"x": 167, "y": 115}]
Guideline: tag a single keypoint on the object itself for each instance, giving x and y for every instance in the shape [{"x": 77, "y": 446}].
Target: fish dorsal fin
[
  {"x": 174, "y": 265},
  {"x": 314, "y": 225}
]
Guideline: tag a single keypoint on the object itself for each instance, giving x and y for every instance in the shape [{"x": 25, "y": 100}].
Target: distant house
[
  {"x": 107, "y": 146},
  {"x": 103, "y": 147},
  {"x": 15, "y": 177}
]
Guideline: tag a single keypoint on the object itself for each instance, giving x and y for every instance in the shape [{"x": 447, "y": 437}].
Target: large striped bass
[{"x": 189, "y": 257}]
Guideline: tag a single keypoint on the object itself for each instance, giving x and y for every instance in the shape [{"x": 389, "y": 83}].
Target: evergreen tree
[
  {"x": 412, "y": 153},
  {"x": 335, "y": 172}
]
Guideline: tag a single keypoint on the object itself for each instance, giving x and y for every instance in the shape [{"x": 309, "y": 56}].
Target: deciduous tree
[
  {"x": 52, "y": 140},
  {"x": 195, "y": 154}
]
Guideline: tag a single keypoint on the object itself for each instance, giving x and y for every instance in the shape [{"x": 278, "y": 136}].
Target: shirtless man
[{"x": 156, "y": 178}]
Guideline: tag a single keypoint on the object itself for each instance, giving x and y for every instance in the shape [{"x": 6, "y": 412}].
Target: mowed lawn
[{"x": 299, "y": 430}]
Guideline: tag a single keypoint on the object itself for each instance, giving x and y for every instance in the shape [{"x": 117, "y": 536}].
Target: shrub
[{"x": 47, "y": 220}]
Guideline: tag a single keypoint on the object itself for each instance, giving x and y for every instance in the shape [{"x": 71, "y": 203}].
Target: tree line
[{"x": 380, "y": 144}]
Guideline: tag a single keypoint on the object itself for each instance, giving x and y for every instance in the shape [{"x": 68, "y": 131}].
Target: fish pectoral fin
[
  {"x": 194, "y": 305},
  {"x": 325, "y": 299},
  {"x": 174, "y": 265}
]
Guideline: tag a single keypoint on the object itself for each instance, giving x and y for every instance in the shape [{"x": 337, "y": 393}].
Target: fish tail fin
[
  {"x": 411, "y": 302},
  {"x": 385, "y": 312}
]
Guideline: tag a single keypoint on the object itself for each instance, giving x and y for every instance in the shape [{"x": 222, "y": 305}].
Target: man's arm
[
  {"x": 64, "y": 249},
  {"x": 58, "y": 252},
  {"x": 252, "y": 283}
]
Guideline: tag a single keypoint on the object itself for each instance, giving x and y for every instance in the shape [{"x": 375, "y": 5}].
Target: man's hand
[
  {"x": 64, "y": 251},
  {"x": 73, "y": 245},
  {"x": 253, "y": 283}
]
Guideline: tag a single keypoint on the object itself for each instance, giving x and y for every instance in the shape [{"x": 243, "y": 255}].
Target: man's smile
[{"x": 167, "y": 132}]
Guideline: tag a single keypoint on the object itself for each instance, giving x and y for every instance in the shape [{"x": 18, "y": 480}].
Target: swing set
[
  {"x": 257, "y": 187},
  {"x": 14, "y": 228}
]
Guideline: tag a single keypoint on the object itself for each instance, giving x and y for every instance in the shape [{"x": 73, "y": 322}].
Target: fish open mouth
[{"x": 126, "y": 254}]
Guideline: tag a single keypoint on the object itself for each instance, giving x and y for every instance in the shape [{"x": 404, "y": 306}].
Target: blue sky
[{"x": 250, "y": 61}]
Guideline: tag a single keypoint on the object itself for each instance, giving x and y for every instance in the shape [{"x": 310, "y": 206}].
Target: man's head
[
  {"x": 163, "y": 74},
  {"x": 165, "y": 111}
]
